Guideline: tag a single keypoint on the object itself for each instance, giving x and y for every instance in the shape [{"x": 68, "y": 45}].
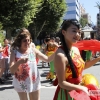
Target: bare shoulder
[
  {"x": 35, "y": 50},
  {"x": 32, "y": 45},
  {"x": 60, "y": 56}
]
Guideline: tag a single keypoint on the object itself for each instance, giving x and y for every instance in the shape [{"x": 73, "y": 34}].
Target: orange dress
[
  {"x": 62, "y": 94},
  {"x": 51, "y": 48}
]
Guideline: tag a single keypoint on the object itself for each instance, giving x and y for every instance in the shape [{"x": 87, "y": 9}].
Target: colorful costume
[
  {"x": 26, "y": 78},
  {"x": 50, "y": 50},
  {"x": 64, "y": 94}
]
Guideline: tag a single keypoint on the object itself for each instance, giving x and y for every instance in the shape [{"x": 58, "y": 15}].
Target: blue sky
[{"x": 90, "y": 8}]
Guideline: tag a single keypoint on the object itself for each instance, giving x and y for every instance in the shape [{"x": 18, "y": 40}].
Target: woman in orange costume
[
  {"x": 69, "y": 64},
  {"x": 50, "y": 49}
]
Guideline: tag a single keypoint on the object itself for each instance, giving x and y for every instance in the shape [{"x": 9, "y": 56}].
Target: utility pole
[{"x": 98, "y": 20}]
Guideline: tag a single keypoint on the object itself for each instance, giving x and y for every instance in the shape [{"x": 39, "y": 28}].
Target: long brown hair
[{"x": 22, "y": 33}]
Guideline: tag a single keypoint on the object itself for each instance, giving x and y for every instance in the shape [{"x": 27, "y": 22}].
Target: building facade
[
  {"x": 73, "y": 11},
  {"x": 81, "y": 9}
]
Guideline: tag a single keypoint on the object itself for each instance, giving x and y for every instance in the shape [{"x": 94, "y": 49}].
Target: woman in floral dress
[{"x": 23, "y": 65}]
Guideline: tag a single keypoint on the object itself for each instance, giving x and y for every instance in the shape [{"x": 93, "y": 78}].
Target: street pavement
[{"x": 47, "y": 90}]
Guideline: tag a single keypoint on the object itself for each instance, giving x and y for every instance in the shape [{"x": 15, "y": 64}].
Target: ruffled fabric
[
  {"x": 81, "y": 95},
  {"x": 93, "y": 45}
]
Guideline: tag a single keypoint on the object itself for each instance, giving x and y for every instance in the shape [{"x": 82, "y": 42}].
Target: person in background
[
  {"x": 50, "y": 49},
  {"x": 57, "y": 40},
  {"x": 52, "y": 39},
  {"x": 6, "y": 52},
  {"x": 2, "y": 64},
  {"x": 86, "y": 54},
  {"x": 43, "y": 50},
  {"x": 23, "y": 66},
  {"x": 69, "y": 64}
]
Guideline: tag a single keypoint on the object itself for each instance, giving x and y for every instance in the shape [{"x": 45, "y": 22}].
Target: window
[
  {"x": 71, "y": 12},
  {"x": 98, "y": 18},
  {"x": 77, "y": 14},
  {"x": 98, "y": 23},
  {"x": 97, "y": 14},
  {"x": 71, "y": 4}
]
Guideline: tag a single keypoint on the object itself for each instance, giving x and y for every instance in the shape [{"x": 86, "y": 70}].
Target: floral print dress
[{"x": 26, "y": 78}]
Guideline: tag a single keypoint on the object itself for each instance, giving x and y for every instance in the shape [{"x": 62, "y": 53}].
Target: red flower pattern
[
  {"x": 22, "y": 72},
  {"x": 33, "y": 77}
]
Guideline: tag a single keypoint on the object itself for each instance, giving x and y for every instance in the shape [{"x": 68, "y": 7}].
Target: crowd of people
[{"x": 66, "y": 64}]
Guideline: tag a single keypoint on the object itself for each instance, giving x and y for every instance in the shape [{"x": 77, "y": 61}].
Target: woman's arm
[
  {"x": 1, "y": 50},
  {"x": 43, "y": 57},
  {"x": 13, "y": 65},
  {"x": 56, "y": 45},
  {"x": 91, "y": 62},
  {"x": 60, "y": 62}
]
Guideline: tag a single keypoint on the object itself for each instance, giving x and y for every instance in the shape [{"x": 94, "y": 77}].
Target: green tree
[
  {"x": 17, "y": 13},
  {"x": 49, "y": 17},
  {"x": 98, "y": 5},
  {"x": 83, "y": 21},
  {"x": 1, "y": 37}
]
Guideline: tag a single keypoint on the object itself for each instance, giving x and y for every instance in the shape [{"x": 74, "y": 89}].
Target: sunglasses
[{"x": 26, "y": 40}]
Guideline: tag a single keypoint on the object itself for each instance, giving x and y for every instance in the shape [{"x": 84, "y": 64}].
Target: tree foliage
[
  {"x": 49, "y": 17},
  {"x": 18, "y": 13},
  {"x": 98, "y": 5},
  {"x": 83, "y": 21},
  {"x": 1, "y": 37}
]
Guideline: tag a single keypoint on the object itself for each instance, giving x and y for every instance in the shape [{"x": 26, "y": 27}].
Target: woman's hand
[
  {"x": 23, "y": 60},
  {"x": 85, "y": 89}
]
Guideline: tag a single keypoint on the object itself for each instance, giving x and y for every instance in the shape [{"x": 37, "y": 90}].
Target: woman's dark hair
[
  {"x": 47, "y": 40},
  {"x": 66, "y": 24},
  {"x": 22, "y": 33}
]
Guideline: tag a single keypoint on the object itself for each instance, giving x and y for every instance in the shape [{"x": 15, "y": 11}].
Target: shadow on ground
[{"x": 5, "y": 88}]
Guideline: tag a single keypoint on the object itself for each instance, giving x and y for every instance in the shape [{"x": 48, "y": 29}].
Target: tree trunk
[{"x": 8, "y": 33}]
